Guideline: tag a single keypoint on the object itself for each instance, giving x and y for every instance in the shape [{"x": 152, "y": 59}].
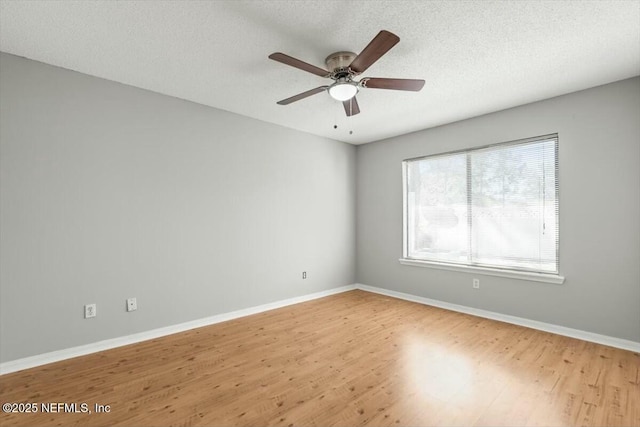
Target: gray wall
[
  {"x": 109, "y": 192},
  {"x": 599, "y": 150}
]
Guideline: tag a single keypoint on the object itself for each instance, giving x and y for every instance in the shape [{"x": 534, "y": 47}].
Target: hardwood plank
[{"x": 352, "y": 359}]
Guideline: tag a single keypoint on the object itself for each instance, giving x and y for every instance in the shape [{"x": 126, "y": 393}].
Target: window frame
[{"x": 515, "y": 273}]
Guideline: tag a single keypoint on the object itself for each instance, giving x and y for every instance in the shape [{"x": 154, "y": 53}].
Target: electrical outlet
[
  {"x": 476, "y": 283},
  {"x": 304, "y": 274},
  {"x": 132, "y": 304},
  {"x": 89, "y": 311}
]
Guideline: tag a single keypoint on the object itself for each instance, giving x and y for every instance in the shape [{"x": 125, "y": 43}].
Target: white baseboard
[
  {"x": 56, "y": 356},
  {"x": 534, "y": 324}
]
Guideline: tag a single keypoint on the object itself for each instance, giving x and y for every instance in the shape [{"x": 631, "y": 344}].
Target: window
[{"x": 494, "y": 207}]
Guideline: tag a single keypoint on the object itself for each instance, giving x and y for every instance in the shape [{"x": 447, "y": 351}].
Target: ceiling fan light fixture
[
  {"x": 342, "y": 91},
  {"x": 343, "y": 66}
]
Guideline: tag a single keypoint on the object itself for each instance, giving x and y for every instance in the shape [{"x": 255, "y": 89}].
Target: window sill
[{"x": 522, "y": 275}]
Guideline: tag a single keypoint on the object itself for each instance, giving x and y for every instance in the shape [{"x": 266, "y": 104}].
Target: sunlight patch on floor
[
  {"x": 479, "y": 393},
  {"x": 432, "y": 371}
]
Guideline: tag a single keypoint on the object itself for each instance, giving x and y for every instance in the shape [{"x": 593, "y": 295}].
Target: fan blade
[
  {"x": 374, "y": 50},
  {"x": 351, "y": 107},
  {"x": 302, "y": 95},
  {"x": 288, "y": 60},
  {"x": 394, "y": 84}
]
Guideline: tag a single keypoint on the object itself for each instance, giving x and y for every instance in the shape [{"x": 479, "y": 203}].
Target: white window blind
[{"x": 495, "y": 206}]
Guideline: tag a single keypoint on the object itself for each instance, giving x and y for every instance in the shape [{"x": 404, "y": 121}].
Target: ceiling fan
[{"x": 344, "y": 67}]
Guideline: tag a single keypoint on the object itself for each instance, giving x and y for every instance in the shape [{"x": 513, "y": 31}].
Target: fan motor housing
[{"x": 338, "y": 63}]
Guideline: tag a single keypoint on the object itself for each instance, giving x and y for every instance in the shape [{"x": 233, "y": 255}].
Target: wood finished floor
[{"x": 350, "y": 359}]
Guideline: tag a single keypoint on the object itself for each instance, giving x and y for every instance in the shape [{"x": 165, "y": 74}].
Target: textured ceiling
[{"x": 476, "y": 57}]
